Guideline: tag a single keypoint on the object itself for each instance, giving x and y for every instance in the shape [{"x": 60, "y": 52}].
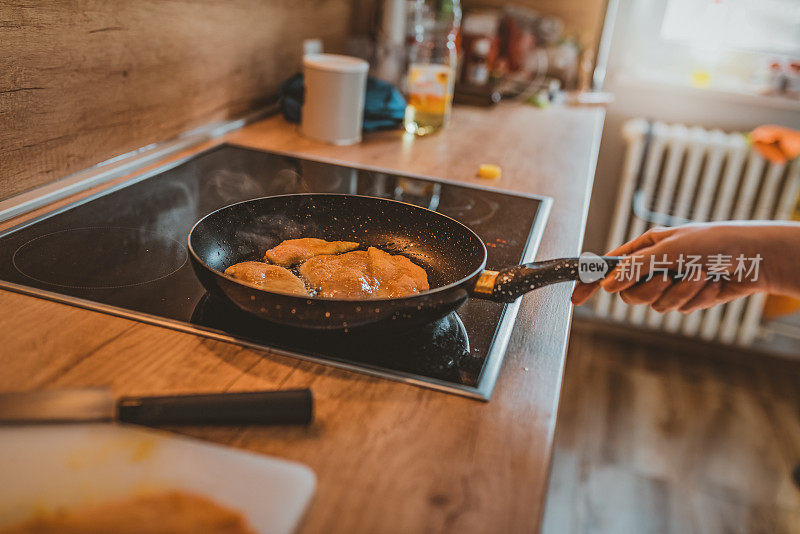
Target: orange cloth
[
  {"x": 776, "y": 143},
  {"x": 780, "y": 305}
]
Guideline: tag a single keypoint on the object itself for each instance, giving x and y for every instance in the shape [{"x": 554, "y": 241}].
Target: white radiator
[{"x": 674, "y": 174}]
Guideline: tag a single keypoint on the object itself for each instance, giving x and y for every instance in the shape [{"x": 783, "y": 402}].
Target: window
[
  {"x": 768, "y": 26},
  {"x": 736, "y": 46}
]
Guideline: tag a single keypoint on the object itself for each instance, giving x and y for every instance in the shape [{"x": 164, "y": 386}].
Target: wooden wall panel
[
  {"x": 85, "y": 80},
  {"x": 582, "y": 18}
]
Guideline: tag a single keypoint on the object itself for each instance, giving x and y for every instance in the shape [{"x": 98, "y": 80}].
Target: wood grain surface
[
  {"x": 583, "y": 19},
  {"x": 666, "y": 438},
  {"x": 87, "y": 80},
  {"x": 389, "y": 457}
]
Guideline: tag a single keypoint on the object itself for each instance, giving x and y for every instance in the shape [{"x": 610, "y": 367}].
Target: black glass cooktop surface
[{"x": 124, "y": 252}]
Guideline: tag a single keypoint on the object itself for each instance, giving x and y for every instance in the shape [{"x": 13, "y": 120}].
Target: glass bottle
[{"x": 433, "y": 26}]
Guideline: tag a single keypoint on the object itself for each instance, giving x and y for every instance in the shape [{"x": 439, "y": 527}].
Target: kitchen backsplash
[{"x": 85, "y": 81}]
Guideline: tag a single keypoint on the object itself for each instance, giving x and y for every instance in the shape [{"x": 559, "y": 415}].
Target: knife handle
[{"x": 286, "y": 407}]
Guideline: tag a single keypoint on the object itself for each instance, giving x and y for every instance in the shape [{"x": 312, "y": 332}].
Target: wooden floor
[{"x": 653, "y": 438}]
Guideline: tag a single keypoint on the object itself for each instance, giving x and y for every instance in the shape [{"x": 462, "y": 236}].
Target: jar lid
[{"x": 335, "y": 63}]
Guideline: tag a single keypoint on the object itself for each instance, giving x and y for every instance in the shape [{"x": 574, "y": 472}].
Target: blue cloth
[{"x": 384, "y": 106}]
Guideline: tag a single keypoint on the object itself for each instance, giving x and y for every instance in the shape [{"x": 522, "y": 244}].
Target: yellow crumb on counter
[{"x": 489, "y": 171}]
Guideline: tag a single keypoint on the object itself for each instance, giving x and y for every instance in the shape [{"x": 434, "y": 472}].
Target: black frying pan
[{"x": 453, "y": 256}]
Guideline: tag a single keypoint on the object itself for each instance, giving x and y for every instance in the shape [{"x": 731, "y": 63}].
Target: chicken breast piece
[
  {"x": 344, "y": 276},
  {"x": 364, "y": 275},
  {"x": 269, "y": 277},
  {"x": 395, "y": 276},
  {"x": 173, "y": 512},
  {"x": 294, "y": 251}
]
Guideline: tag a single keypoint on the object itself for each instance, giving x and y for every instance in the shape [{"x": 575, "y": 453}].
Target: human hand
[{"x": 774, "y": 247}]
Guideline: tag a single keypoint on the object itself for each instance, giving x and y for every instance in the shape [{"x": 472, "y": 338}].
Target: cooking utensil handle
[
  {"x": 287, "y": 407},
  {"x": 512, "y": 283}
]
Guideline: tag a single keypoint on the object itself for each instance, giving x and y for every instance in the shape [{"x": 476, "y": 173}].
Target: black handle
[
  {"x": 287, "y": 407},
  {"x": 514, "y": 282}
]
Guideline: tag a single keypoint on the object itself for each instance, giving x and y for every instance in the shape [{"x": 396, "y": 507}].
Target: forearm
[{"x": 746, "y": 257}]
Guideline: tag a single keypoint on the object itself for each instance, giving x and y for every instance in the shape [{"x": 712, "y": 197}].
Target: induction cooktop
[{"x": 123, "y": 251}]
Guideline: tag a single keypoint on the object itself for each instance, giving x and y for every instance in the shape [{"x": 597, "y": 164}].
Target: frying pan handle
[{"x": 509, "y": 284}]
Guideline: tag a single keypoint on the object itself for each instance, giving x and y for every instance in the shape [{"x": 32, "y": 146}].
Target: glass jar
[{"x": 433, "y": 26}]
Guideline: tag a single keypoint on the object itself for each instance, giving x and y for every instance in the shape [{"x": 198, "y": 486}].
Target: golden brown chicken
[
  {"x": 395, "y": 276},
  {"x": 364, "y": 275},
  {"x": 269, "y": 277},
  {"x": 173, "y": 512},
  {"x": 294, "y": 251},
  {"x": 343, "y": 276}
]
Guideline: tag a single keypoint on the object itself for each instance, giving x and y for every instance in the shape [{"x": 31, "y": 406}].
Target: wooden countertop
[{"x": 389, "y": 457}]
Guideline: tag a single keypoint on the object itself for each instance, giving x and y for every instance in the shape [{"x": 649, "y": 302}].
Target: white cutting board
[{"x": 47, "y": 467}]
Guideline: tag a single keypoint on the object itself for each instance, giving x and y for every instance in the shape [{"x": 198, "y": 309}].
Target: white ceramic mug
[{"x": 334, "y": 101}]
